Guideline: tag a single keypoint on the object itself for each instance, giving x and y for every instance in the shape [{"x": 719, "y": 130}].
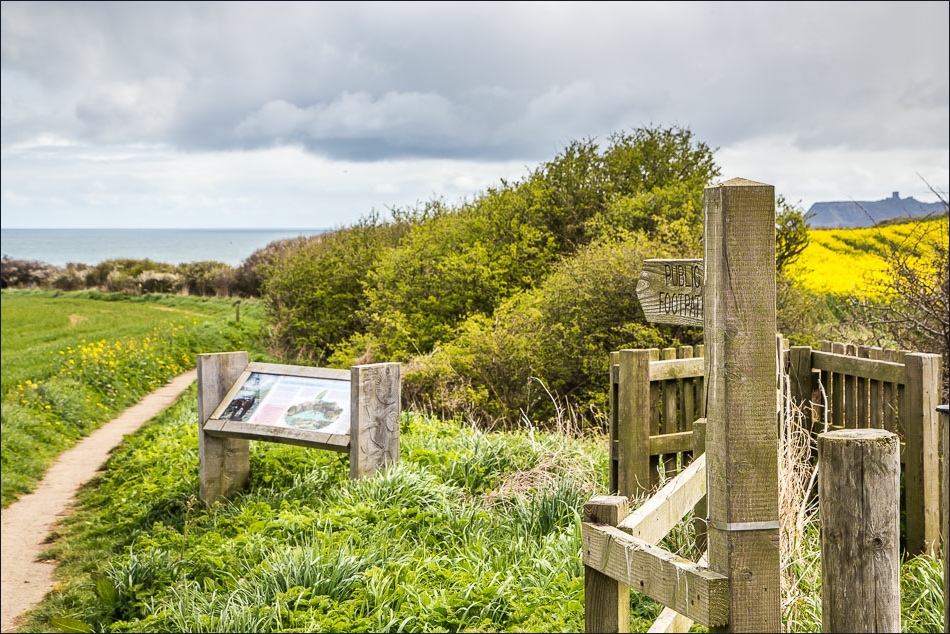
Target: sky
[{"x": 316, "y": 114}]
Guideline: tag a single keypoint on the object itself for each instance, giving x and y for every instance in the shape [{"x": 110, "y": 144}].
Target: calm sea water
[{"x": 173, "y": 246}]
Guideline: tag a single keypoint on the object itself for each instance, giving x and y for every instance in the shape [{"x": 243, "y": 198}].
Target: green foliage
[
  {"x": 547, "y": 345},
  {"x": 314, "y": 294},
  {"x": 411, "y": 548}
]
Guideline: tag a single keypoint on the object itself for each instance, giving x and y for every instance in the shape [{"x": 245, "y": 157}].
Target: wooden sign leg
[
  {"x": 375, "y": 395},
  {"x": 224, "y": 463}
]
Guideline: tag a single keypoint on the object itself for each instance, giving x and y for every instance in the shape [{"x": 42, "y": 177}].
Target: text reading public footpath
[{"x": 685, "y": 276}]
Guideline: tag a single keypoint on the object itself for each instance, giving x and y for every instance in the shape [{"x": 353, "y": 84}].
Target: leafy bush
[
  {"x": 314, "y": 293},
  {"x": 548, "y": 347}
]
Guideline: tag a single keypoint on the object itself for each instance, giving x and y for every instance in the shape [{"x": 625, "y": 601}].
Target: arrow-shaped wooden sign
[{"x": 671, "y": 292}]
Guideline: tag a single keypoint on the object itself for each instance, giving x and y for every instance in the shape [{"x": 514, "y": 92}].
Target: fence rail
[{"x": 657, "y": 394}]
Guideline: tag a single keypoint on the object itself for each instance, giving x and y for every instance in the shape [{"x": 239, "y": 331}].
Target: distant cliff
[{"x": 848, "y": 214}]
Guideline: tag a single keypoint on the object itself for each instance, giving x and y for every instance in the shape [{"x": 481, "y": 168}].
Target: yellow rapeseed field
[{"x": 851, "y": 261}]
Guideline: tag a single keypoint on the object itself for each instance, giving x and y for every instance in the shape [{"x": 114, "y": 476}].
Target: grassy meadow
[
  {"x": 474, "y": 531},
  {"x": 72, "y": 361}
]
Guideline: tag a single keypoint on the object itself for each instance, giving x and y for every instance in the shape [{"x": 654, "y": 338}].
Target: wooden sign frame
[
  {"x": 371, "y": 438},
  {"x": 672, "y": 291}
]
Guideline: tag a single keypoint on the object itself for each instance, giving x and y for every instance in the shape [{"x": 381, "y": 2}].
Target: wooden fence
[{"x": 657, "y": 394}]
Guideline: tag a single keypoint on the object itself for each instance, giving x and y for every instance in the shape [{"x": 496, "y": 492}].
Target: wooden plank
[
  {"x": 274, "y": 433},
  {"x": 867, "y": 368},
  {"x": 613, "y": 433},
  {"x": 299, "y": 370},
  {"x": 606, "y": 601},
  {"x": 922, "y": 461},
  {"x": 657, "y": 516},
  {"x": 634, "y": 423},
  {"x": 672, "y": 621},
  {"x": 671, "y": 292},
  {"x": 875, "y": 395},
  {"x": 850, "y": 392},
  {"x": 692, "y": 590},
  {"x": 741, "y": 441},
  {"x": 671, "y": 443},
  {"x": 676, "y": 369},
  {"x": 864, "y": 393},
  {"x": 837, "y": 389}
]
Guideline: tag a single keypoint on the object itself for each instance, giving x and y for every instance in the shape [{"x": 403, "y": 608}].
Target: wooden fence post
[
  {"x": 741, "y": 438},
  {"x": 606, "y": 601},
  {"x": 921, "y": 462},
  {"x": 943, "y": 412},
  {"x": 633, "y": 422},
  {"x": 223, "y": 463},
  {"x": 859, "y": 505},
  {"x": 375, "y": 395}
]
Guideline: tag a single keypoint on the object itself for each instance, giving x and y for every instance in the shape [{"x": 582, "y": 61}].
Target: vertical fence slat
[
  {"x": 613, "y": 423},
  {"x": 606, "y": 601},
  {"x": 850, "y": 392},
  {"x": 634, "y": 419},
  {"x": 837, "y": 390},
  {"x": 921, "y": 456}
]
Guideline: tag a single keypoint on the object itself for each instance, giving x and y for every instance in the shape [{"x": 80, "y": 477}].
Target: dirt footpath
[{"x": 27, "y": 522}]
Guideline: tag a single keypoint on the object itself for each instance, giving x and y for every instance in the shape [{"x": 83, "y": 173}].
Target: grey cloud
[{"x": 367, "y": 81}]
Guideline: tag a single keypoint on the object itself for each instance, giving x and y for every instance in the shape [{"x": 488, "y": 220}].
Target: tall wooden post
[
  {"x": 922, "y": 437},
  {"x": 223, "y": 463},
  {"x": 375, "y": 395},
  {"x": 741, "y": 435},
  {"x": 859, "y": 500}
]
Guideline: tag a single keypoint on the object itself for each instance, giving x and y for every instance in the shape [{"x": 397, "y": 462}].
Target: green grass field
[{"x": 72, "y": 361}]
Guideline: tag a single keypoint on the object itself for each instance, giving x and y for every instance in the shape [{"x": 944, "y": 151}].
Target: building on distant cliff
[{"x": 851, "y": 213}]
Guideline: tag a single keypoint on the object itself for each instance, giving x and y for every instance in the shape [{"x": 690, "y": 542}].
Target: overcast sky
[{"x": 312, "y": 115}]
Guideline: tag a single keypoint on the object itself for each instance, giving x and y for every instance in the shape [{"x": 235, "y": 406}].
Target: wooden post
[
  {"x": 633, "y": 421},
  {"x": 943, "y": 412},
  {"x": 374, "y": 419},
  {"x": 741, "y": 437},
  {"x": 859, "y": 505},
  {"x": 922, "y": 465},
  {"x": 701, "y": 509},
  {"x": 223, "y": 463},
  {"x": 799, "y": 376},
  {"x": 606, "y": 601}
]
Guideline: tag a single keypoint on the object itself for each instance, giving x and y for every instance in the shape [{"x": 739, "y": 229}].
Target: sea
[{"x": 172, "y": 246}]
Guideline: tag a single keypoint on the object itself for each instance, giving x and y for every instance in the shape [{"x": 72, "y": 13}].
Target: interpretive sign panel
[
  {"x": 353, "y": 411},
  {"x": 671, "y": 292},
  {"x": 297, "y": 402}
]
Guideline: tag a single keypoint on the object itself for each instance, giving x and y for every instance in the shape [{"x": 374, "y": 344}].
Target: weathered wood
[
  {"x": 741, "y": 441},
  {"x": 837, "y": 388},
  {"x": 223, "y": 463},
  {"x": 864, "y": 393},
  {"x": 859, "y": 495},
  {"x": 614, "y": 427},
  {"x": 692, "y": 590},
  {"x": 672, "y": 621},
  {"x": 300, "y": 370},
  {"x": 943, "y": 416},
  {"x": 634, "y": 423},
  {"x": 700, "y": 510},
  {"x": 671, "y": 443},
  {"x": 374, "y": 425},
  {"x": 671, "y": 292},
  {"x": 868, "y": 368},
  {"x": 800, "y": 380},
  {"x": 606, "y": 600},
  {"x": 921, "y": 457},
  {"x": 273, "y": 433},
  {"x": 656, "y": 517},
  {"x": 676, "y": 369}
]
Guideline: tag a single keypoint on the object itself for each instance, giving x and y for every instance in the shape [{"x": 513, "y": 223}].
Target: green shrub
[{"x": 545, "y": 351}]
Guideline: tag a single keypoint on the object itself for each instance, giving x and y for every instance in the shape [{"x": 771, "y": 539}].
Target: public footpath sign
[{"x": 671, "y": 292}]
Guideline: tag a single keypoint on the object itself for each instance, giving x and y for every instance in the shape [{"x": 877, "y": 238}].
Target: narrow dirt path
[{"x": 27, "y": 523}]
